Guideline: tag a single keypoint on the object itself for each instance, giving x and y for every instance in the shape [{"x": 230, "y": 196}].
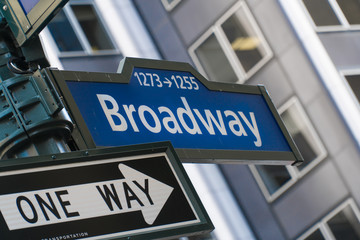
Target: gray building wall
[
  {"x": 163, "y": 30},
  {"x": 289, "y": 73}
]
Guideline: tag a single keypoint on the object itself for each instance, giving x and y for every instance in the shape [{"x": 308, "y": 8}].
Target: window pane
[
  {"x": 214, "y": 61},
  {"x": 92, "y": 27},
  {"x": 301, "y": 133},
  {"x": 317, "y": 235},
  {"x": 354, "y": 82},
  {"x": 273, "y": 176},
  {"x": 351, "y": 10},
  {"x": 63, "y": 34},
  {"x": 243, "y": 40},
  {"x": 321, "y": 12},
  {"x": 345, "y": 225}
]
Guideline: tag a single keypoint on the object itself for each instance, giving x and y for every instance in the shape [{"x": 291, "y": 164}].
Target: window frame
[
  {"x": 322, "y": 224},
  {"x": 81, "y": 36},
  {"x": 344, "y": 24},
  {"x": 170, "y": 6},
  {"x": 216, "y": 29},
  {"x": 294, "y": 172},
  {"x": 317, "y": 226}
]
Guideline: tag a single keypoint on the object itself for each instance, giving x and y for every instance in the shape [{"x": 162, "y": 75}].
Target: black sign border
[
  {"x": 203, "y": 226},
  {"x": 83, "y": 138}
]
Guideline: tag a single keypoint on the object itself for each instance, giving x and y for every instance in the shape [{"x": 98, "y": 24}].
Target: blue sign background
[
  {"x": 149, "y": 93},
  {"x": 27, "y": 5}
]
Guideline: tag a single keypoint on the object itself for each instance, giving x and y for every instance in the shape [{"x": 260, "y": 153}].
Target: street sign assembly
[
  {"x": 137, "y": 192},
  {"x": 153, "y": 100},
  {"x": 26, "y": 18}
]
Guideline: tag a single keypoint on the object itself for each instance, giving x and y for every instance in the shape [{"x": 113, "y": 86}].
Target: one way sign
[
  {"x": 45, "y": 207},
  {"x": 139, "y": 192}
]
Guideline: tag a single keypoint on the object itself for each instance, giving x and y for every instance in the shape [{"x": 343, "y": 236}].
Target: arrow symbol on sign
[
  {"x": 160, "y": 192},
  {"x": 168, "y": 82},
  {"x": 134, "y": 192}
]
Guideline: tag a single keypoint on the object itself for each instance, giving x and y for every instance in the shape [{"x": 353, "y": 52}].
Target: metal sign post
[
  {"x": 137, "y": 192},
  {"x": 153, "y": 100},
  {"x": 32, "y": 118}
]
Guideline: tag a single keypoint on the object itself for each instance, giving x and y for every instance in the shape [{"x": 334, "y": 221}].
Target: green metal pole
[{"x": 33, "y": 120}]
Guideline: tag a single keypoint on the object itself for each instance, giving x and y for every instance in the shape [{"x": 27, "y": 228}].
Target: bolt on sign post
[
  {"x": 26, "y": 18},
  {"x": 153, "y": 100},
  {"x": 135, "y": 192}
]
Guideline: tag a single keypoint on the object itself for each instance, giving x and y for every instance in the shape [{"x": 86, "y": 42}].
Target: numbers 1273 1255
[{"x": 177, "y": 81}]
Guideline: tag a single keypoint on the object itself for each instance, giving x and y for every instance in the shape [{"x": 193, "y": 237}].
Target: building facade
[{"x": 305, "y": 52}]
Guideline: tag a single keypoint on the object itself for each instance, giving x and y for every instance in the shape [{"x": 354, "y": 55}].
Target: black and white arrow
[{"x": 135, "y": 192}]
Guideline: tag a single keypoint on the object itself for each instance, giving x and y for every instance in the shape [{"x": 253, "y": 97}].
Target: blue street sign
[
  {"x": 162, "y": 105},
  {"x": 155, "y": 104}
]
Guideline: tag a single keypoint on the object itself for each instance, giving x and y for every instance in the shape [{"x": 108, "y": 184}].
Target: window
[
  {"x": 274, "y": 180},
  {"x": 353, "y": 81},
  {"x": 342, "y": 223},
  {"x": 334, "y": 14},
  {"x": 233, "y": 49},
  {"x": 77, "y": 29},
  {"x": 170, "y": 4},
  {"x": 316, "y": 235}
]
